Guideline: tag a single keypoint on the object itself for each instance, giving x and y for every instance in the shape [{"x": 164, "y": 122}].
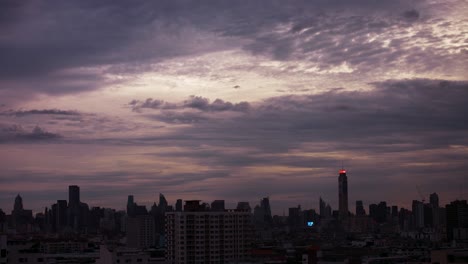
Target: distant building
[
  {"x": 457, "y": 220},
  {"x": 343, "y": 194},
  {"x": 325, "y": 209},
  {"x": 418, "y": 214},
  {"x": 197, "y": 235},
  {"x": 217, "y": 205},
  {"x": 244, "y": 206},
  {"x": 360, "y": 209},
  {"x": 141, "y": 232}
]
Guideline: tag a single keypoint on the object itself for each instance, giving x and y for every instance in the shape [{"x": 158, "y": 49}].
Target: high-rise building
[
  {"x": 130, "y": 206},
  {"x": 178, "y": 206},
  {"x": 61, "y": 215},
  {"x": 360, "y": 209},
  {"x": 457, "y": 220},
  {"x": 434, "y": 200},
  {"x": 197, "y": 235},
  {"x": 325, "y": 209},
  {"x": 343, "y": 194},
  {"x": 18, "y": 203},
  {"x": 141, "y": 231},
  {"x": 244, "y": 206},
  {"x": 217, "y": 205},
  {"x": 73, "y": 195},
  {"x": 418, "y": 214}
]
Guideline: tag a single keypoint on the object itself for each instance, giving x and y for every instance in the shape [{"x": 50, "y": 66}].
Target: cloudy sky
[{"x": 234, "y": 100}]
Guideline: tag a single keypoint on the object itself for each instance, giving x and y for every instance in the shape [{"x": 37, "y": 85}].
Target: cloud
[
  {"x": 193, "y": 102},
  {"x": 41, "y": 112},
  {"x": 395, "y": 115},
  {"x": 16, "y": 133},
  {"x": 86, "y": 46}
]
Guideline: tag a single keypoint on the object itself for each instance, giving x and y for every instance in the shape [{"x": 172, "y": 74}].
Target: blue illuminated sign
[{"x": 310, "y": 223}]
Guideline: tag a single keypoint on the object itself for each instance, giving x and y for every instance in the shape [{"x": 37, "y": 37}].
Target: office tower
[
  {"x": 360, "y": 209},
  {"x": 73, "y": 195},
  {"x": 266, "y": 209},
  {"x": 198, "y": 235},
  {"x": 61, "y": 215},
  {"x": 457, "y": 220},
  {"x": 434, "y": 200},
  {"x": 325, "y": 209},
  {"x": 394, "y": 211},
  {"x": 162, "y": 203},
  {"x": 217, "y": 205},
  {"x": 130, "y": 206},
  {"x": 73, "y": 207},
  {"x": 21, "y": 218},
  {"x": 77, "y": 211},
  {"x": 141, "y": 231},
  {"x": 295, "y": 219},
  {"x": 343, "y": 194},
  {"x": 322, "y": 206},
  {"x": 244, "y": 206},
  {"x": 178, "y": 206},
  {"x": 418, "y": 214},
  {"x": 18, "y": 206},
  {"x": 428, "y": 215}
]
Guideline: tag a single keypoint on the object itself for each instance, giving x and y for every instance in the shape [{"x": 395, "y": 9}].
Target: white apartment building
[{"x": 201, "y": 236}]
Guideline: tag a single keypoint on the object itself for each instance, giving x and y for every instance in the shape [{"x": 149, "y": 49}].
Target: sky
[{"x": 233, "y": 100}]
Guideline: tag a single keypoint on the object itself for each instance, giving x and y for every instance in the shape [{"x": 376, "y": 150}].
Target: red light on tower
[{"x": 342, "y": 171}]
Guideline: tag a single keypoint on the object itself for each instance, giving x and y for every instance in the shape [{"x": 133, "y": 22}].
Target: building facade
[
  {"x": 203, "y": 236},
  {"x": 343, "y": 194}
]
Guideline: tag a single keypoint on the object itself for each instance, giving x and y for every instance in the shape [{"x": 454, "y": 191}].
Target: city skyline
[
  {"x": 220, "y": 100},
  {"x": 74, "y": 192}
]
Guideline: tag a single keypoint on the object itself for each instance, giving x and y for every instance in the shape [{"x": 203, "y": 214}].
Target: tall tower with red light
[{"x": 343, "y": 194}]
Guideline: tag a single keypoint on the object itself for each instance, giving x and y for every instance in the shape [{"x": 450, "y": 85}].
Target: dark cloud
[
  {"x": 16, "y": 133},
  {"x": 67, "y": 47},
  {"x": 41, "y": 112},
  {"x": 395, "y": 116},
  {"x": 411, "y": 15},
  {"x": 194, "y": 102}
]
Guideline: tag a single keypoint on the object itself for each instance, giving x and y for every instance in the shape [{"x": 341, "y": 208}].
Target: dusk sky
[{"x": 234, "y": 100}]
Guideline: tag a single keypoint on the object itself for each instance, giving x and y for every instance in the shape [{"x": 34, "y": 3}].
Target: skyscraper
[
  {"x": 343, "y": 194},
  {"x": 18, "y": 203},
  {"x": 73, "y": 196},
  {"x": 360, "y": 208}
]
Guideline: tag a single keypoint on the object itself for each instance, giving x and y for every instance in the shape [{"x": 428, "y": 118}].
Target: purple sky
[{"x": 233, "y": 100}]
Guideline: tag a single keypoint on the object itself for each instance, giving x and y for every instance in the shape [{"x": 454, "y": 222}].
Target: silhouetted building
[
  {"x": 325, "y": 209},
  {"x": 394, "y": 211},
  {"x": 360, "y": 209},
  {"x": 244, "y": 206},
  {"x": 217, "y": 205},
  {"x": 179, "y": 205},
  {"x": 21, "y": 219},
  {"x": 73, "y": 195},
  {"x": 295, "y": 220},
  {"x": 130, "y": 206},
  {"x": 61, "y": 215},
  {"x": 457, "y": 220},
  {"x": 434, "y": 200},
  {"x": 379, "y": 212},
  {"x": 18, "y": 206},
  {"x": 141, "y": 232},
  {"x": 262, "y": 214},
  {"x": 201, "y": 236},
  {"x": 343, "y": 194},
  {"x": 418, "y": 214},
  {"x": 77, "y": 211}
]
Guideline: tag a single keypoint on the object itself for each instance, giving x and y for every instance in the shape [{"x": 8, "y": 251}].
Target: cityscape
[
  {"x": 233, "y": 132},
  {"x": 193, "y": 231}
]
